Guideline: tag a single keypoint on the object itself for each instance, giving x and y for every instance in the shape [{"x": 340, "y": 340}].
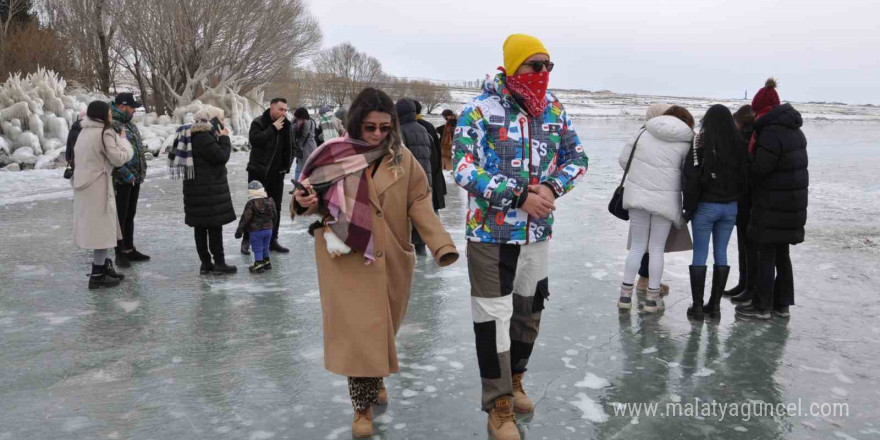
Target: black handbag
[{"x": 615, "y": 206}]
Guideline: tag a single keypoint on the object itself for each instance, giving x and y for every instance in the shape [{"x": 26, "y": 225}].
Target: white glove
[{"x": 335, "y": 246}]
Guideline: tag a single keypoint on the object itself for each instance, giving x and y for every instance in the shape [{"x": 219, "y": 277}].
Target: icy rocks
[
  {"x": 153, "y": 145},
  {"x": 24, "y": 156},
  {"x": 164, "y": 120},
  {"x": 5, "y": 146},
  {"x": 11, "y": 167},
  {"x": 50, "y": 160},
  {"x": 240, "y": 143},
  {"x": 28, "y": 140}
]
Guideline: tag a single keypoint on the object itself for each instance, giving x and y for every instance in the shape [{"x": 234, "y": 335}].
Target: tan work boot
[
  {"x": 642, "y": 287},
  {"x": 502, "y": 424},
  {"x": 362, "y": 426},
  {"x": 521, "y": 402},
  {"x": 383, "y": 395}
]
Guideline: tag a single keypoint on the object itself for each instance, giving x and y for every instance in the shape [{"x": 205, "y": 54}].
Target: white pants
[{"x": 649, "y": 233}]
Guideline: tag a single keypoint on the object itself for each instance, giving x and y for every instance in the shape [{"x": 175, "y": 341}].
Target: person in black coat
[
  {"x": 419, "y": 142},
  {"x": 206, "y": 199},
  {"x": 780, "y": 181},
  {"x": 748, "y": 255},
  {"x": 273, "y": 148},
  {"x": 438, "y": 182}
]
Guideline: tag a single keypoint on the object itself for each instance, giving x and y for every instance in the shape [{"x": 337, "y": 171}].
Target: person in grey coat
[
  {"x": 420, "y": 143},
  {"x": 304, "y": 129}
]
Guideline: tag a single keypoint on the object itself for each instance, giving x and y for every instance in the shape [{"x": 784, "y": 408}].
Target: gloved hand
[
  {"x": 688, "y": 215},
  {"x": 239, "y": 233}
]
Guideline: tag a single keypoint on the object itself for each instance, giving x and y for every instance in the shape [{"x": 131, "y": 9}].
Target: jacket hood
[
  {"x": 669, "y": 129},
  {"x": 406, "y": 110},
  {"x": 91, "y": 123},
  {"x": 784, "y": 115}
]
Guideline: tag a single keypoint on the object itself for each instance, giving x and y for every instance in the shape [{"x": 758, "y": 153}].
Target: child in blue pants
[{"x": 258, "y": 219}]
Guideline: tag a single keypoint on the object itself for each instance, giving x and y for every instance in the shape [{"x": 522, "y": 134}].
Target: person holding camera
[
  {"x": 272, "y": 152},
  {"x": 207, "y": 202}
]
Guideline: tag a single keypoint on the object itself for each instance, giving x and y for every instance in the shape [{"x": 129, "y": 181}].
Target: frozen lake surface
[{"x": 172, "y": 354}]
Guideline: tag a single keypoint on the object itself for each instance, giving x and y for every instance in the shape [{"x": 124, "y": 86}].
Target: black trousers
[
  {"x": 643, "y": 269},
  {"x": 775, "y": 287},
  {"x": 273, "y": 183},
  {"x": 126, "y": 208},
  {"x": 209, "y": 241},
  {"x": 748, "y": 258}
]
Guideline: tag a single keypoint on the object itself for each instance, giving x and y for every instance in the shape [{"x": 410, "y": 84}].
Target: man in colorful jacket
[
  {"x": 128, "y": 178},
  {"x": 515, "y": 152}
]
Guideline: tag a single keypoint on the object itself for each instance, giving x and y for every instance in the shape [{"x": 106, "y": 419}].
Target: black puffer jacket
[
  {"x": 415, "y": 137},
  {"x": 438, "y": 182},
  {"x": 206, "y": 199},
  {"x": 271, "y": 149},
  {"x": 779, "y": 178},
  {"x": 744, "y": 203}
]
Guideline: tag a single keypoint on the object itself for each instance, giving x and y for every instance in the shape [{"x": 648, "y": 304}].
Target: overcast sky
[{"x": 819, "y": 50}]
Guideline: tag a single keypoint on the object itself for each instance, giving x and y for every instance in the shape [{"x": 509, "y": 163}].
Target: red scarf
[
  {"x": 755, "y": 133},
  {"x": 532, "y": 89}
]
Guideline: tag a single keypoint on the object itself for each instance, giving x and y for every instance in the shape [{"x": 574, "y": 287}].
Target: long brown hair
[
  {"x": 681, "y": 113},
  {"x": 375, "y": 100}
]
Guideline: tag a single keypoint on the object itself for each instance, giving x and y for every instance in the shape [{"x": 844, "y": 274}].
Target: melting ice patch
[
  {"x": 600, "y": 274},
  {"x": 649, "y": 350},
  {"x": 704, "y": 372},
  {"x": 593, "y": 382},
  {"x": 334, "y": 434},
  {"x": 261, "y": 435},
  {"x": 590, "y": 410}
]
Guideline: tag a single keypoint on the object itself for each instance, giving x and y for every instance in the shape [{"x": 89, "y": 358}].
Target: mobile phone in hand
[{"x": 218, "y": 126}]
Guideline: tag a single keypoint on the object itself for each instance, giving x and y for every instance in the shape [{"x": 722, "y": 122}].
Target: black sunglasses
[
  {"x": 537, "y": 66},
  {"x": 371, "y": 128}
]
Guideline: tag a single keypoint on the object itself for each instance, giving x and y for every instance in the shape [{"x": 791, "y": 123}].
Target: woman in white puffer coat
[{"x": 652, "y": 196}]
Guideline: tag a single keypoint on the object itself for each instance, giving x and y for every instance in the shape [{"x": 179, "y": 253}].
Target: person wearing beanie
[
  {"x": 446, "y": 132},
  {"x": 98, "y": 149},
  {"x": 779, "y": 179},
  {"x": 128, "y": 178},
  {"x": 515, "y": 159},
  {"x": 258, "y": 219},
  {"x": 207, "y": 202},
  {"x": 273, "y": 148},
  {"x": 438, "y": 181}
]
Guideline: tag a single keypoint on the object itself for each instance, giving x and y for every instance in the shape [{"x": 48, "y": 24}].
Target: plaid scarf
[
  {"x": 338, "y": 166},
  {"x": 180, "y": 158}
]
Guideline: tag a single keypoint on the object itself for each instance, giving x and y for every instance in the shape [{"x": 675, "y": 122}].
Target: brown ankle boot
[
  {"x": 362, "y": 426},
  {"x": 521, "y": 402},
  {"x": 383, "y": 395},
  {"x": 502, "y": 424}
]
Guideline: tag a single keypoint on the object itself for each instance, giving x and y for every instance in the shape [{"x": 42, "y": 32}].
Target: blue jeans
[
  {"x": 260, "y": 244},
  {"x": 716, "y": 220}
]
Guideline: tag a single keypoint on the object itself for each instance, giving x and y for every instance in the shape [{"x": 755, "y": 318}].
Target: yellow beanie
[{"x": 518, "y": 48}]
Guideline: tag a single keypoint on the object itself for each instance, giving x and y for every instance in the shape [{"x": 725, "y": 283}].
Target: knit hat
[
  {"x": 255, "y": 184},
  {"x": 256, "y": 191},
  {"x": 655, "y": 110},
  {"x": 518, "y": 48},
  {"x": 325, "y": 109},
  {"x": 766, "y": 97}
]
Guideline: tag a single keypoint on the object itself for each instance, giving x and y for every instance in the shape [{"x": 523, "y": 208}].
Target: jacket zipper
[{"x": 522, "y": 132}]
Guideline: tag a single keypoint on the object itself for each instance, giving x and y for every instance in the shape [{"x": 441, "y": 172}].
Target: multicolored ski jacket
[{"x": 499, "y": 150}]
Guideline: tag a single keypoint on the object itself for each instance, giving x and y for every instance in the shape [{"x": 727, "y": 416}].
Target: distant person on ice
[
  {"x": 369, "y": 190},
  {"x": 273, "y": 147},
  {"x": 207, "y": 202},
  {"x": 515, "y": 152},
  {"x": 780, "y": 180},
  {"x": 128, "y": 178},
  {"x": 98, "y": 150},
  {"x": 258, "y": 219}
]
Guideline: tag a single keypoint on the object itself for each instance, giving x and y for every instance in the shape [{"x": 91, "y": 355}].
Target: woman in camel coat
[{"x": 365, "y": 292}]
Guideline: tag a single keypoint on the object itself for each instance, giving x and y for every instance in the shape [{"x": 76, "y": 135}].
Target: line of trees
[{"x": 174, "y": 51}]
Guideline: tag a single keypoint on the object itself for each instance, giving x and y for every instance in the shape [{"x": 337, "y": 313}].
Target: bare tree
[
  {"x": 10, "y": 10},
  {"x": 224, "y": 44},
  {"x": 346, "y": 71}
]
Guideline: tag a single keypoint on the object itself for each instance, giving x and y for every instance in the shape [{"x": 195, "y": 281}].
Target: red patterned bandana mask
[{"x": 531, "y": 88}]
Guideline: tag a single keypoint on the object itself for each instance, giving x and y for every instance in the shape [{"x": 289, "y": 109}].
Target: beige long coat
[
  {"x": 95, "y": 224},
  {"x": 364, "y": 305}
]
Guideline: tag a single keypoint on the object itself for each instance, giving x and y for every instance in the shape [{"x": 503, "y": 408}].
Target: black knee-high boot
[{"x": 698, "y": 288}]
